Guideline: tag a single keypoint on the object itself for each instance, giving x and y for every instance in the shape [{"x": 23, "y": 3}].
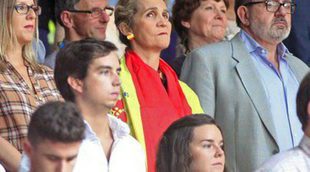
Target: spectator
[
  {"x": 192, "y": 143},
  {"x": 56, "y": 131},
  {"x": 24, "y": 83},
  {"x": 87, "y": 73},
  {"x": 150, "y": 88},
  {"x": 81, "y": 19},
  {"x": 296, "y": 159},
  {"x": 249, "y": 84},
  {"x": 198, "y": 22}
]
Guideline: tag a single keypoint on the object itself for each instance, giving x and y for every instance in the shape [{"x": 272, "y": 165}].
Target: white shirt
[
  {"x": 293, "y": 160},
  {"x": 126, "y": 154},
  {"x": 2, "y": 168}
]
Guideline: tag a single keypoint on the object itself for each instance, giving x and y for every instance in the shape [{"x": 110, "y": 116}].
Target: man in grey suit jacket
[{"x": 249, "y": 84}]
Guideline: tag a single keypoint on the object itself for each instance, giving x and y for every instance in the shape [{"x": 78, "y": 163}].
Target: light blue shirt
[{"x": 281, "y": 87}]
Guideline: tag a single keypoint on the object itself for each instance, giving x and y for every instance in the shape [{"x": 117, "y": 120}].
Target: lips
[
  {"x": 163, "y": 33},
  {"x": 217, "y": 164},
  {"x": 115, "y": 94},
  {"x": 29, "y": 27}
]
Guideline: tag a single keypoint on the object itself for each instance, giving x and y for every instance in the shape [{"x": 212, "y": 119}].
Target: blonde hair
[{"x": 8, "y": 37}]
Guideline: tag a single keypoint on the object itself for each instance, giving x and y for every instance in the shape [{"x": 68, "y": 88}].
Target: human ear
[
  {"x": 243, "y": 14},
  {"x": 75, "y": 84},
  {"x": 125, "y": 29},
  {"x": 186, "y": 24},
  {"x": 66, "y": 19}
]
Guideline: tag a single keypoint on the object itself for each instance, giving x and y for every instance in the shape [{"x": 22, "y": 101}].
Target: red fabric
[{"x": 159, "y": 106}]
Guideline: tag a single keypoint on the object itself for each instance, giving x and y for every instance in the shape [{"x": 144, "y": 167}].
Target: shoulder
[{"x": 286, "y": 161}]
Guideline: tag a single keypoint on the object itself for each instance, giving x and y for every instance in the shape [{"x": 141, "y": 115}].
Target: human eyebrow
[{"x": 101, "y": 67}]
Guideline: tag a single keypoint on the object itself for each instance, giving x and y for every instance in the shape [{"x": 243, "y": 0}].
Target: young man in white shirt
[{"x": 87, "y": 73}]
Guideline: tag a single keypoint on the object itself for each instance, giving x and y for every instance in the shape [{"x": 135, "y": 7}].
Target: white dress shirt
[
  {"x": 126, "y": 154},
  {"x": 293, "y": 160}
]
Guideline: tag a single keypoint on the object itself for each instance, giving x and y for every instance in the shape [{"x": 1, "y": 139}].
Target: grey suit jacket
[{"x": 229, "y": 88}]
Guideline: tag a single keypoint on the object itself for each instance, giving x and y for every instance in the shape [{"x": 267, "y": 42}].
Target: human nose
[
  {"x": 163, "y": 21},
  {"x": 105, "y": 18},
  {"x": 219, "y": 152},
  {"x": 116, "y": 80},
  {"x": 61, "y": 166},
  {"x": 31, "y": 14}
]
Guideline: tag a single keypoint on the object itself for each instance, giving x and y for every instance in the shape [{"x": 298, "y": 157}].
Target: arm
[
  {"x": 9, "y": 155},
  {"x": 195, "y": 72}
]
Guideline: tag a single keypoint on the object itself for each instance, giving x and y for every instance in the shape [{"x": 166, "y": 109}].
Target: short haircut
[
  {"x": 74, "y": 59},
  {"x": 58, "y": 122},
  {"x": 124, "y": 13},
  {"x": 302, "y": 101},
  {"x": 173, "y": 152},
  {"x": 239, "y": 3},
  {"x": 62, "y": 5},
  {"x": 182, "y": 10}
]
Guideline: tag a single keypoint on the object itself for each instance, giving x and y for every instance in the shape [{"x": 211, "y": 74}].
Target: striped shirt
[{"x": 18, "y": 101}]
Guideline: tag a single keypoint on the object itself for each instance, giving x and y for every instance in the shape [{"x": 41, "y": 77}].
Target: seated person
[
  {"x": 298, "y": 158},
  {"x": 192, "y": 143},
  {"x": 55, "y": 133}
]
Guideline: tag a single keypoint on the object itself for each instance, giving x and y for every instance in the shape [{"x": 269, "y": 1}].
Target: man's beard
[{"x": 274, "y": 33}]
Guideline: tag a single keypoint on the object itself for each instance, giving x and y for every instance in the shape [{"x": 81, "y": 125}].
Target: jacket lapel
[{"x": 252, "y": 83}]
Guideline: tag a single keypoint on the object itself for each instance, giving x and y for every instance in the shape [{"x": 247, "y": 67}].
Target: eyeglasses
[
  {"x": 273, "y": 6},
  {"x": 96, "y": 12},
  {"x": 24, "y": 9}
]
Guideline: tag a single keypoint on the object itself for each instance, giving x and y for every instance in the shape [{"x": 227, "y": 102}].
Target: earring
[{"x": 130, "y": 36}]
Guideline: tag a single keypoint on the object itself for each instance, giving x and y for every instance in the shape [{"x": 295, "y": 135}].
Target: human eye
[
  {"x": 52, "y": 158},
  {"x": 96, "y": 11},
  {"x": 109, "y": 10},
  {"x": 166, "y": 15},
  {"x": 21, "y": 8},
  {"x": 287, "y": 4},
  {"x": 272, "y": 3},
  {"x": 208, "y": 7},
  {"x": 151, "y": 14},
  {"x": 207, "y": 145},
  {"x": 223, "y": 10}
]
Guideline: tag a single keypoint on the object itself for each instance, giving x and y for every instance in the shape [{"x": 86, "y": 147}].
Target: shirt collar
[
  {"x": 118, "y": 127},
  {"x": 305, "y": 144},
  {"x": 254, "y": 46}
]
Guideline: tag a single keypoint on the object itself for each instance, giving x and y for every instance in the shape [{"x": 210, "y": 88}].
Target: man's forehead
[{"x": 88, "y": 4}]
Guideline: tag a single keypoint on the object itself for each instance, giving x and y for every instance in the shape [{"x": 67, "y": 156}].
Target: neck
[
  {"x": 196, "y": 41},
  {"x": 95, "y": 115},
  {"x": 307, "y": 131},
  {"x": 15, "y": 56},
  {"x": 269, "y": 45},
  {"x": 148, "y": 56},
  {"x": 71, "y": 35}
]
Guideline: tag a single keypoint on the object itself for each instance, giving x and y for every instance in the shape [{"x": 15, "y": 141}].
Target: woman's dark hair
[
  {"x": 173, "y": 152},
  {"x": 302, "y": 101},
  {"x": 182, "y": 10}
]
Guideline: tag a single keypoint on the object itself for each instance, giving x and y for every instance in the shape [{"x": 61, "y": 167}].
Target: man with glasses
[
  {"x": 249, "y": 84},
  {"x": 81, "y": 19}
]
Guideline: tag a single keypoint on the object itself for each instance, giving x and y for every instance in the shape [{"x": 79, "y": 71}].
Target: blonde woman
[{"x": 24, "y": 84}]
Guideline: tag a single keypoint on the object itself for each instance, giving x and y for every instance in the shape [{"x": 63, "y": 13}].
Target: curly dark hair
[
  {"x": 182, "y": 10},
  {"x": 173, "y": 152}
]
